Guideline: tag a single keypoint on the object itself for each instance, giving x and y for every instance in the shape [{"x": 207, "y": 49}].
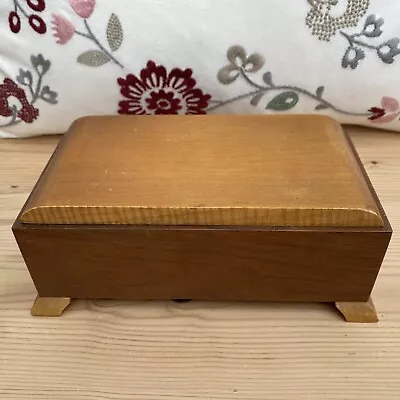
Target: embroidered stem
[
  {"x": 351, "y": 39},
  {"x": 223, "y": 103},
  {"x": 265, "y": 89},
  {"x": 90, "y": 35},
  {"x": 83, "y": 34},
  {"x": 18, "y": 6},
  {"x": 14, "y": 121},
  {"x": 31, "y": 90},
  {"x": 254, "y": 84},
  {"x": 36, "y": 94}
]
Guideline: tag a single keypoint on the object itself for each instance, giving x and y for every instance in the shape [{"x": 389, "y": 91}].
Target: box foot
[
  {"x": 361, "y": 312},
  {"x": 50, "y": 306}
]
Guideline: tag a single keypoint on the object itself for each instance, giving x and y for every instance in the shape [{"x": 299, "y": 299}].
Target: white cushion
[{"x": 335, "y": 57}]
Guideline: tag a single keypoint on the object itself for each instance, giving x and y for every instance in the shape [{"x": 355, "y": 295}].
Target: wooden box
[{"x": 247, "y": 208}]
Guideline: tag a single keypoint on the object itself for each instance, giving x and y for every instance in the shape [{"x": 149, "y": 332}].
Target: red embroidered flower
[
  {"x": 389, "y": 111},
  {"x": 10, "y": 91},
  {"x": 37, "y": 23},
  {"x": 160, "y": 92}
]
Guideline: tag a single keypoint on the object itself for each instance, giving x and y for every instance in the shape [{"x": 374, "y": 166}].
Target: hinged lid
[{"x": 204, "y": 170}]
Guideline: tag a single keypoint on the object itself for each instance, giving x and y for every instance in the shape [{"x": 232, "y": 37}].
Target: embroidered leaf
[
  {"x": 256, "y": 99},
  {"x": 320, "y": 91},
  {"x": 115, "y": 34},
  {"x": 321, "y": 107},
  {"x": 283, "y": 101},
  {"x": 93, "y": 58},
  {"x": 267, "y": 77}
]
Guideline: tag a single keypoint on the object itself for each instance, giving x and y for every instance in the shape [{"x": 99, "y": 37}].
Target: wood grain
[
  {"x": 204, "y": 170},
  {"x": 128, "y": 350},
  {"x": 231, "y": 264}
]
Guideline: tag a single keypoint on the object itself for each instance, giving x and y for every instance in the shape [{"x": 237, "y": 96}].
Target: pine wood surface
[
  {"x": 150, "y": 350},
  {"x": 208, "y": 170}
]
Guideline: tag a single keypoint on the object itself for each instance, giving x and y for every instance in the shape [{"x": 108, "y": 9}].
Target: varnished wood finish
[
  {"x": 248, "y": 264},
  {"x": 360, "y": 312},
  {"x": 204, "y": 170},
  {"x": 49, "y": 306}
]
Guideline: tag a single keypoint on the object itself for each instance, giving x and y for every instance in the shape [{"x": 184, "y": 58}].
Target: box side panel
[{"x": 218, "y": 264}]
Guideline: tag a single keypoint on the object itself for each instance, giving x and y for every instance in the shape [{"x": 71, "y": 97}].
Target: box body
[
  {"x": 213, "y": 261},
  {"x": 244, "y": 264}
]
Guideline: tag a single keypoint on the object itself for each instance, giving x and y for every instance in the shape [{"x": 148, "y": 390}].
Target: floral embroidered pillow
[{"x": 64, "y": 59}]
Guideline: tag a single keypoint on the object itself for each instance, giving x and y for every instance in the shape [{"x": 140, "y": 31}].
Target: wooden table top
[
  {"x": 128, "y": 350},
  {"x": 297, "y": 170}
]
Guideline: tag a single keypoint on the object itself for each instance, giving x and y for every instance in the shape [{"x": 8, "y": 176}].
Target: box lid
[{"x": 204, "y": 170}]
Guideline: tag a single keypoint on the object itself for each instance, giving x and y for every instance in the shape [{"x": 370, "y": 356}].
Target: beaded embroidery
[{"x": 324, "y": 25}]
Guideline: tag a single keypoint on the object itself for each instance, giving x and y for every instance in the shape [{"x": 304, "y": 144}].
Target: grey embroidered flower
[
  {"x": 365, "y": 40},
  {"x": 324, "y": 21},
  {"x": 388, "y": 50},
  {"x": 48, "y": 95},
  {"x": 372, "y": 26},
  {"x": 352, "y": 57},
  {"x": 40, "y": 64},
  {"x": 238, "y": 61}
]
